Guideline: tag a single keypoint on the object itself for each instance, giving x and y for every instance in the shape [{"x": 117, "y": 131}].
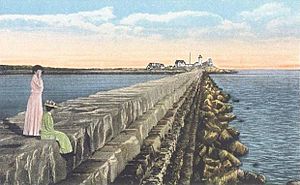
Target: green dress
[{"x": 48, "y": 132}]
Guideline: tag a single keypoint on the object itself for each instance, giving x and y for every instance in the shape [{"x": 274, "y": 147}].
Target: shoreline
[
  {"x": 24, "y": 70},
  {"x": 91, "y": 72},
  {"x": 27, "y": 70},
  {"x": 98, "y": 73}
]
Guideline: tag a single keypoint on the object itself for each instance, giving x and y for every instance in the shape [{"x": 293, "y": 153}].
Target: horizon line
[{"x": 139, "y": 67}]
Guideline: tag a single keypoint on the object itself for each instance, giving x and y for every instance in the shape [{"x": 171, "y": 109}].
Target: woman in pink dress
[{"x": 34, "y": 112}]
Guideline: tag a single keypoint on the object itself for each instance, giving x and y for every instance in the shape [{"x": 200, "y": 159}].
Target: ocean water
[
  {"x": 269, "y": 107},
  {"x": 15, "y": 89}
]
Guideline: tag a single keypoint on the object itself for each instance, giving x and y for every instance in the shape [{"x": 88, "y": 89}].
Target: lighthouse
[{"x": 200, "y": 59}]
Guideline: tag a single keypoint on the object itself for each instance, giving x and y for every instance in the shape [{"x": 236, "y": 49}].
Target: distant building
[
  {"x": 199, "y": 60},
  {"x": 208, "y": 63},
  {"x": 180, "y": 63},
  {"x": 196, "y": 64},
  {"x": 169, "y": 67},
  {"x": 189, "y": 65},
  {"x": 151, "y": 66}
]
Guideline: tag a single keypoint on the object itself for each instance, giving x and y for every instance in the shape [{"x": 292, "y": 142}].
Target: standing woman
[{"x": 34, "y": 112}]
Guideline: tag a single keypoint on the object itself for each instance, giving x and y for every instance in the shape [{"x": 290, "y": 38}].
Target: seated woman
[{"x": 48, "y": 132}]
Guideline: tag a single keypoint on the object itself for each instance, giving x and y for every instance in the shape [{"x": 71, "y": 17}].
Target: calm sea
[
  {"x": 15, "y": 89},
  {"x": 270, "y": 108}
]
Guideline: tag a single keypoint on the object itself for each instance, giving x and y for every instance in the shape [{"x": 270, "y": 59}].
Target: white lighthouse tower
[{"x": 200, "y": 60}]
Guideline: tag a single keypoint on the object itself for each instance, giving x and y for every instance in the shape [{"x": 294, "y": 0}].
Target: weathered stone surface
[
  {"x": 238, "y": 148},
  {"x": 247, "y": 177},
  {"x": 153, "y": 149},
  {"x": 30, "y": 158},
  {"x": 138, "y": 129},
  {"x": 153, "y": 142},
  {"x": 178, "y": 161},
  {"x": 89, "y": 172},
  {"x": 293, "y": 182},
  {"x": 91, "y": 123},
  {"x": 225, "y": 136}
]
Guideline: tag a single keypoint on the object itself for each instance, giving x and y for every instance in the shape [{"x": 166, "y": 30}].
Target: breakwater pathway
[
  {"x": 268, "y": 117},
  {"x": 176, "y": 130},
  {"x": 106, "y": 130}
]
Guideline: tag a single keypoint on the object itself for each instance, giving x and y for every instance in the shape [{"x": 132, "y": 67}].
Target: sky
[{"x": 128, "y": 33}]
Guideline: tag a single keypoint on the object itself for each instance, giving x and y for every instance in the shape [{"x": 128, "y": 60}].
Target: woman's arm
[
  {"x": 49, "y": 123},
  {"x": 37, "y": 81}
]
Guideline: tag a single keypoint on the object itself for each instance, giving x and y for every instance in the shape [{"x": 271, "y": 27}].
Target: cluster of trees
[
  {"x": 24, "y": 69},
  {"x": 28, "y": 67},
  {"x": 10, "y": 67}
]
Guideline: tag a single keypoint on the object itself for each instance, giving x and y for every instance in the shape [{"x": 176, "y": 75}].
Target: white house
[
  {"x": 180, "y": 63},
  {"x": 151, "y": 66}
]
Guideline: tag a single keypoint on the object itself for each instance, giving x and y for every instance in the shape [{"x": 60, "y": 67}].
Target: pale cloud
[
  {"x": 87, "y": 20},
  {"x": 229, "y": 25},
  {"x": 103, "y": 24},
  {"x": 269, "y": 10},
  {"x": 235, "y": 29},
  {"x": 219, "y": 28},
  {"x": 224, "y": 30},
  {"x": 164, "y": 18},
  {"x": 285, "y": 26},
  {"x": 99, "y": 22}
]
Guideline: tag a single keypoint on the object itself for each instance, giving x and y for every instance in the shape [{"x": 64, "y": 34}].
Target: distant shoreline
[
  {"x": 110, "y": 72},
  {"x": 26, "y": 70}
]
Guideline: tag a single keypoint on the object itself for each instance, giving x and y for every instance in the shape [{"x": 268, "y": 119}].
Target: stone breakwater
[
  {"x": 197, "y": 147},
  {"x": 170, "y": 131},
  {"x": 106, "y": 130}
]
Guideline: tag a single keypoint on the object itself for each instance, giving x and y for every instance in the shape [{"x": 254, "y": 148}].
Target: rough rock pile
[
  {"x": 215, "y": 70},
  {"x": 218, "y": 146}
]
